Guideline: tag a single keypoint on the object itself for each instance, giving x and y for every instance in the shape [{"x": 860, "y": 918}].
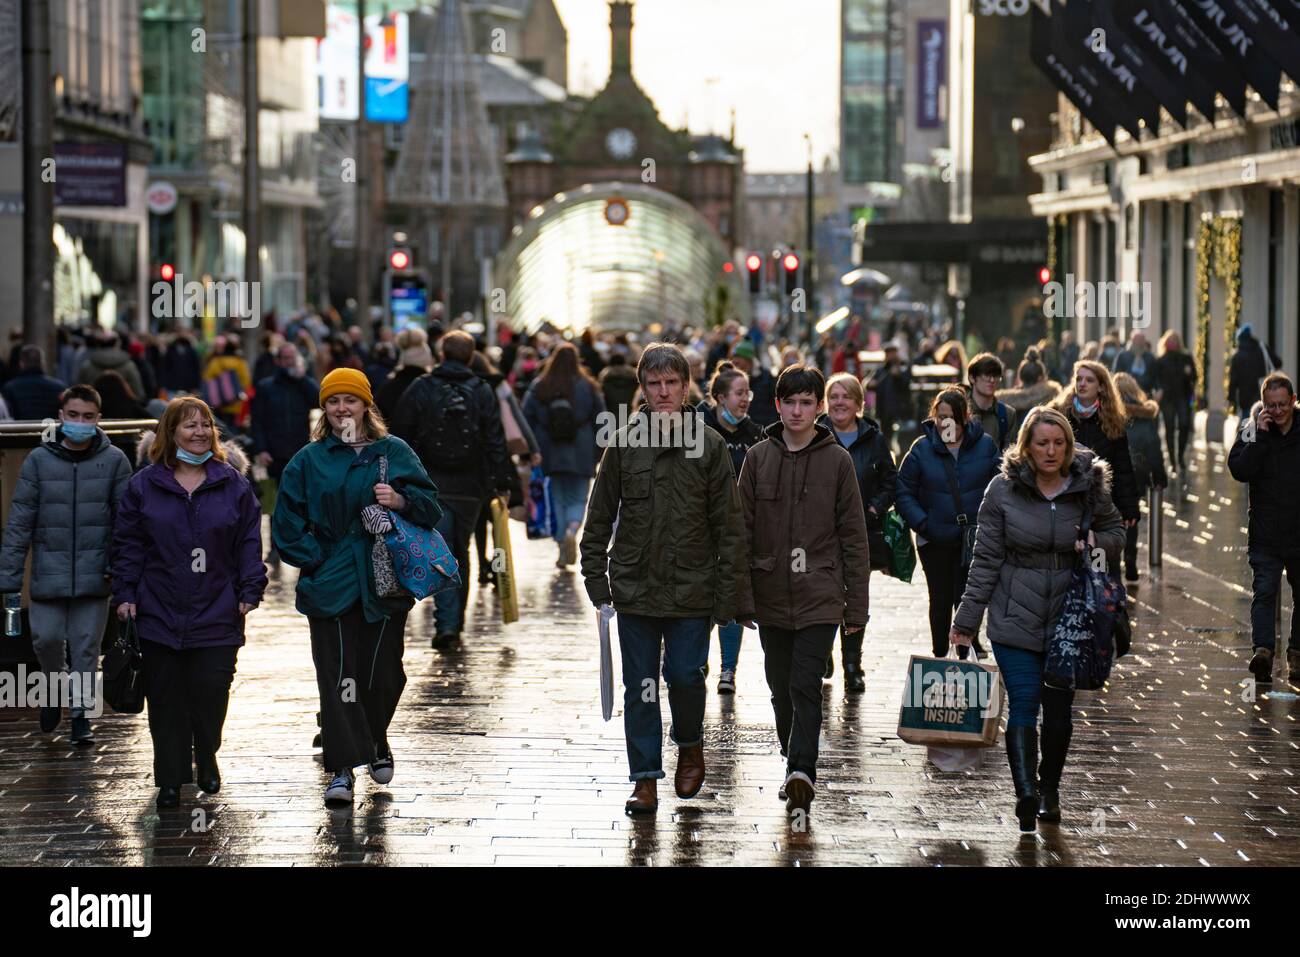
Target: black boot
[
  {"x": 1056, "y": 744},
  {"x": 851, "y": 657},
  {"x": 1022, "y": 755}
]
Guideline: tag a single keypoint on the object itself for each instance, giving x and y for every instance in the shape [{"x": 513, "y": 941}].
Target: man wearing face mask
[{"x": 66, "y": 499}]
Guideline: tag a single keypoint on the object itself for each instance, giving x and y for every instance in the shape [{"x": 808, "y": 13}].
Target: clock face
[
  {"x": 621, "y": 143},
  {"x": 616, "y": 212}
]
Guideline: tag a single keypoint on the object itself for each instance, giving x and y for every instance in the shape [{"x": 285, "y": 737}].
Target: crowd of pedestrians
[{"x": 744, "y": 485}]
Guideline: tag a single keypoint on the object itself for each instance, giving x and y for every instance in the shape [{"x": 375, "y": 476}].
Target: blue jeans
[
  {"x": 569, "y": 496},
  {"x": 729, "y": 636},
  {"x": 686, "y": 651},
  {"x": 1022, "y": 676},
  {"x": 1268, "y": 567},
  {"x": 459, "y": 516}
]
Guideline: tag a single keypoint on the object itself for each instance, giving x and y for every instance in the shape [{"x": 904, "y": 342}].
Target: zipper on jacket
[
  {"x": 74, "y": 529},
  {"x": 1052, "y": 544}
]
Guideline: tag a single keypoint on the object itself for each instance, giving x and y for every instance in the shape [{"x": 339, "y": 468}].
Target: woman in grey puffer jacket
[{"x": 1025, "y": 555}]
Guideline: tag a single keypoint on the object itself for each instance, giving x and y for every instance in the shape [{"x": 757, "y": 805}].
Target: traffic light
[
  {"x": 1044, "y": 276},
  {"x": 167, "y": 272},
  {"x": 790, "y": 263},
  {"x": 754, "y": 263},
  {"x": 399, "y": 259}
]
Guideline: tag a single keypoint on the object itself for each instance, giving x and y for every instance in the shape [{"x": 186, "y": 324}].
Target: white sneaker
[
  {"x": 381, "y": 772},
  {"x": 727, "y": 682},
  {"x": 340, "y": 789},
  {"x": 799, "y": 792}
]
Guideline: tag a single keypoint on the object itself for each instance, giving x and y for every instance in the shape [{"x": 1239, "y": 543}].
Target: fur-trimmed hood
[
  {"x": 235, "y": 456},
  {"x": 1088, "y": 470},
  {"x": 1149, "y": 409},
  {"x": 1024, "y": 398}
]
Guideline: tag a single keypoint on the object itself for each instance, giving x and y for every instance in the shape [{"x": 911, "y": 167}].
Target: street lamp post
[
  {"x": 38, "y": 193},
  {"x": 363, "y": 212},
  {"x": 252, "y": 178}
]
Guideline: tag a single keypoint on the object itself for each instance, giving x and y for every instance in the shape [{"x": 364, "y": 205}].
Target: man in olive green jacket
[{"x": 666, "y": 493}]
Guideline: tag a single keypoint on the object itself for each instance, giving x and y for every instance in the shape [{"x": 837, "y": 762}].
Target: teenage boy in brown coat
[{"x": 806, "y": 540}]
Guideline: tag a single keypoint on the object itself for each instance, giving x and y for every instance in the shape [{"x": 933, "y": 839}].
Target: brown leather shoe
[
  {"x": 645, "y": 797},
  {"x": 690, "y": 771}
]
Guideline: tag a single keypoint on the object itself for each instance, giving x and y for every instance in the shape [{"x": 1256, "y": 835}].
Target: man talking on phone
[{"x": 1266, "y": 455}]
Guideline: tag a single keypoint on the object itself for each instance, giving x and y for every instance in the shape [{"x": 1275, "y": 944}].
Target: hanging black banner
[
  {"x": 1080, "y": 88},
  {"x": 1274, "y": 27},
  {"x": 1220, "y": 24},
  {"x": 1170, "y": 34},
  {"x": 1071, "y": 40},
  {"x": 1106, "y": 52},
  {"x": 1153, "y": 69}
]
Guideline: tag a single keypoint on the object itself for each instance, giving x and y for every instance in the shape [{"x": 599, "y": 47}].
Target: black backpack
[
  {"x": 449, "y": 437},
  {"x": 563, "y": 421}
]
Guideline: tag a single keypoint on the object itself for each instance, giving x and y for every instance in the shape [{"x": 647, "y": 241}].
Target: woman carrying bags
[
  {"x": 941, "y": 483},
  {"x": 727, "y": 412},
  {"x": 873, "y": 461},
  {"x": 187, "y": 568},
  {"x": 1098, "y": 416},
  {"x": 1025, "y": 556},
  {"x": 357, "y": 637},
  {"x": 562, "y": 406}
]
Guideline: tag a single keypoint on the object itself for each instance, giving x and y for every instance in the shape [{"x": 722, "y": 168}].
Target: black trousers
[
  {"x": 187, "y": 693},
  {"x": 794, "y": 662},
  {"x": 360, "y": 677},
  {"x": 945, "y": 577},
  {"x": 1178, "y": 419}
]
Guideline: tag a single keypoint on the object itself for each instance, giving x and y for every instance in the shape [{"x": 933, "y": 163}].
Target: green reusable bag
[{"x": 902, "y": 553}]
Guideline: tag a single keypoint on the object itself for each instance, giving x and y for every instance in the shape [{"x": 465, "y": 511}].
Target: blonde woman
[
  {"x": 1023, "y": 565},
  {"x": 1176, "y": 373},
  {"x": 1096, "y": 413}
]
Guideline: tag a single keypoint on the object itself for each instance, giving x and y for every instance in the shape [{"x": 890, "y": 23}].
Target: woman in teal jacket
[{"x": 356, "y": 636}]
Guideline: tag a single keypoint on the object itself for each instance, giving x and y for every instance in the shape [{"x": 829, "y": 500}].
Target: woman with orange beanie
[{"x": 357, "y": 637}]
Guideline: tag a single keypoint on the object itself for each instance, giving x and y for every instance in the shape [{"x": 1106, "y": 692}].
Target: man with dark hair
[
  {"x": 107, "y": 356},
  {"x": 452, "y": 419},
  {"x": 32, "y": 395},
  {"x": 668, "y": 481},
  {"x": 281, "y": 410},
  {"x": 997, "y": 419},
  {"x": 66, "y": 500},
  {"x": 806, "y": 540},
  {"x": 1266, "y": 454},
  {"x": 1249, "y": 366}
]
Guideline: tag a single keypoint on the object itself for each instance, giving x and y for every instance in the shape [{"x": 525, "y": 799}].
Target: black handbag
[
  {"x": 123, "y": 683},
  {"x": 965, "y": 527}
]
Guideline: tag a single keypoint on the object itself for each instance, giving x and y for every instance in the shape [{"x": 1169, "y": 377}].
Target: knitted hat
[
  {"x": 346, "y": 382},
  {"x": 744, "y": 349}
]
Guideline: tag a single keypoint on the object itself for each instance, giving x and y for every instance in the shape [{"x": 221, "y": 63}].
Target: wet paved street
[{"x": 502, "y": 757}]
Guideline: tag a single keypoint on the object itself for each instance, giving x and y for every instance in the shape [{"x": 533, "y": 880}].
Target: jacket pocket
[
  {"x": 694, "y": 584},
  {"x": 626, "y": 577}
]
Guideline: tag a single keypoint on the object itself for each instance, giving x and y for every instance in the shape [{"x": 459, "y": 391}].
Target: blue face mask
[
  {"x": 727, "y": 417},
  {"x": 78, "y": 431},
  {"x": 191, "y": 458}
]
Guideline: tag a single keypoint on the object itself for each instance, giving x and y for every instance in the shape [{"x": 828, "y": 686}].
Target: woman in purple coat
[{"x": 187, "y": 566}]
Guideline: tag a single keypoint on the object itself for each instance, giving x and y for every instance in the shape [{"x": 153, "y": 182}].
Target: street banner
[
  {"x": 1154, "y": 72},
  {"x": 1080, "y": 87},
  {"x": 1133, "y": 100},
  {"x": 89, "y": 174},
  {"x": 1269, "y": 25},
  {"x": 1176, "y": 42},
  {"x": 1235, "y": 44},
  {"x": 931, "y": 72}
]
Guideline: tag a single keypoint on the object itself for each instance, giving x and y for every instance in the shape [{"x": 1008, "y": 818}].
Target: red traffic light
[
  {"x": 168, "y": 272},
  {"x": 753, "y": 262},
  {"x": 790, "y": 262},
  {"x": 727, "y": 267},
  {"x": 399, "y": 259},
  {"x": 1044, "y": 276}
]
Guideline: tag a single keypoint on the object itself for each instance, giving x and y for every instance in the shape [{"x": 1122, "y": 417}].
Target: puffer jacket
[
  {"x": 63, "y": 511},
  {"x": 100, "y": 361},
  {"x": 577, "y": 456},
  {"x": 739, "y": 440},
  {"x": 281, "y": 416},
  {"x": 1024, "y": 398},
  {"x": 1144, "y": 445},
  {"x": 924, "y": 497},
  {"x": 805, "y": 535},
  {"x": 1024, "y": 550},
  {"x": 679, "y": 547},
  {"x": 873, "y": 461}
]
